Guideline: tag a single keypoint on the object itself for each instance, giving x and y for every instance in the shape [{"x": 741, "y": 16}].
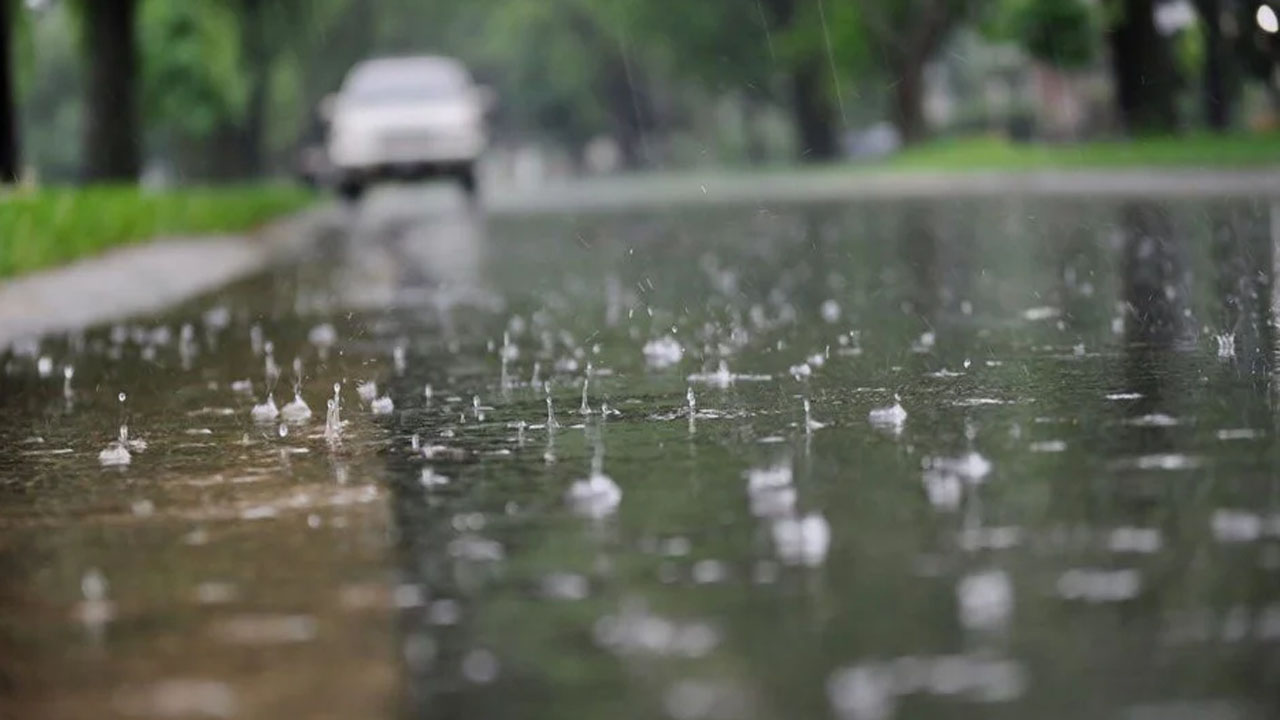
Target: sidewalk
[{"x": 142, "y": 278}]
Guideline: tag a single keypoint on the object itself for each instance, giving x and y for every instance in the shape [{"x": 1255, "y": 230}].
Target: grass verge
[
  {"x": 49, "y": 226},
  {"x": 1188, "y": 151}
]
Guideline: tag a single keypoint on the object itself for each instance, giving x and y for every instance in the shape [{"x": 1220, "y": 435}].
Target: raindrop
[
  {"x": 802, "y": 540},
  {"x": 480, "y": 667}
]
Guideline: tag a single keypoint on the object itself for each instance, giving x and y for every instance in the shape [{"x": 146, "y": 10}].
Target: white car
[{"x": 406, "y": 118}]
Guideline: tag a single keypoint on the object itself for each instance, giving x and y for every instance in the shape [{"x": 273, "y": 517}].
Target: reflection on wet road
[{"x": 1001, "y": 458}]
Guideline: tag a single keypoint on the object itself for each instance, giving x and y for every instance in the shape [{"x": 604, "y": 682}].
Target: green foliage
[
  {"x": 192, "y": 76},
  {"x": 50, "y": 106},
  {"x": 1201, "y": 150},
  {"x": 56, "y": 225},
  {"x": 1062, "y": 33}
]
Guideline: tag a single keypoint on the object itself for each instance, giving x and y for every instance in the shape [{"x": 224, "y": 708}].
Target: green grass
[
  {"x": 1190, "y": 151},
  {"x": 49, "y": 226}
]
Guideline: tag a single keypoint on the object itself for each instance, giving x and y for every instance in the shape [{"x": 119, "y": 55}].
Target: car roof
[{"x": 412, "y": 65}]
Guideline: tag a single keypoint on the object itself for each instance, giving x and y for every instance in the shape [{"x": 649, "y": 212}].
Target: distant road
[{"x": 648, "y": 190}]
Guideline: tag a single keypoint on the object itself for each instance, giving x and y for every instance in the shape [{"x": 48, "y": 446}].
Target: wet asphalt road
[{"x": 1069, "y": 510}]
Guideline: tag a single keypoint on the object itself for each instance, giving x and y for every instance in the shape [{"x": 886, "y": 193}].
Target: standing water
[{"x": 1028, "y": 481}]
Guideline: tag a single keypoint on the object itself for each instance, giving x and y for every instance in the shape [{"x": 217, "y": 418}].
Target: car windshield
[{"x": 383, "y": 82}]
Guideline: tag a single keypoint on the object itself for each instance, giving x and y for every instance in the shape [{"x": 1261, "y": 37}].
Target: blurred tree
[
  {"x": 267, "y": 30},
  {"x": 810, "y": 83},
  {"x": 194, "y": 89},
  {"x": 566, "y": 68},
  {"x": 907, "y": 34},
  {"x": 50, "y": 93},
  {"x": 910, "y": 35},
  {"x": 1256, "y": 50},
  {"x": 1063, "y": 34},
  {"x": 1220, "y": 74},
  {"x": 112, "y": 130},
  {"x": 1142, "y": 68},
  {"x": 9, "y": 160}
]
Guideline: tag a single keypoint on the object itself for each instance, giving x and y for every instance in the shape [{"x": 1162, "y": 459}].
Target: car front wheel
[
  {"x": 351, "y": 190},
  {"x": 467, "y": 179}
]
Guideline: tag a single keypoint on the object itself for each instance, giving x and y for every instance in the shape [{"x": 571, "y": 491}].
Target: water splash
[
  {"x": 597, "y": 496},
  {"x": 297, "y": 411},
  {"x": 96, "y": 609},
  {"x": 585, "y": 409},
  {"x": 1226, "y": 345},
  {"x": 255, "y": 339},
  {"x": 552, "y": 424},
  {"x": 891, "y": 417},
  {"x": 270, "y": 369},
  {"x": 802, "y": 540},
  {"x": 266, "y": 411},
  {"x": 368, "y": 391},
  {"x": 662, "y": 352},
  {"x": 809, "y": 423},
  {"x": 68, "y": 372},
  {"x": 117, "y": 453},
  {"x": 333, "y": 418},
  {"x": 382, "y": 405},
  {"x": 398, "y": 359}
]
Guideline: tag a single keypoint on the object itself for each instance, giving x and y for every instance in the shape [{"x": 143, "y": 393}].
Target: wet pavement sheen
[{"x": 1070, "y": 509}]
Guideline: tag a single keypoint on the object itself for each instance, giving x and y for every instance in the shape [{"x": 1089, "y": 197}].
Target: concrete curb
[{"x": 147, "y": 277}]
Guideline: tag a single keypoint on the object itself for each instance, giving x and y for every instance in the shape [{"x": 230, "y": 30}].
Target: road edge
[{"x": 147, "y": 277}]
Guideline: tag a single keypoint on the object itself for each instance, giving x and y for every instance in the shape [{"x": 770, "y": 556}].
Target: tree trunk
[
  {"x": 908, "y": 103},
  {"x": 1219, "y": 78},
  {"x": 812, "y": 107},
  {"x": 257, "y": 58},
  {"x": 112, "y": 147},
  {"x": 1143, "y": 71},
  {"x": 809, "y": 101},
  {"x": 9, "y": 160}
]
